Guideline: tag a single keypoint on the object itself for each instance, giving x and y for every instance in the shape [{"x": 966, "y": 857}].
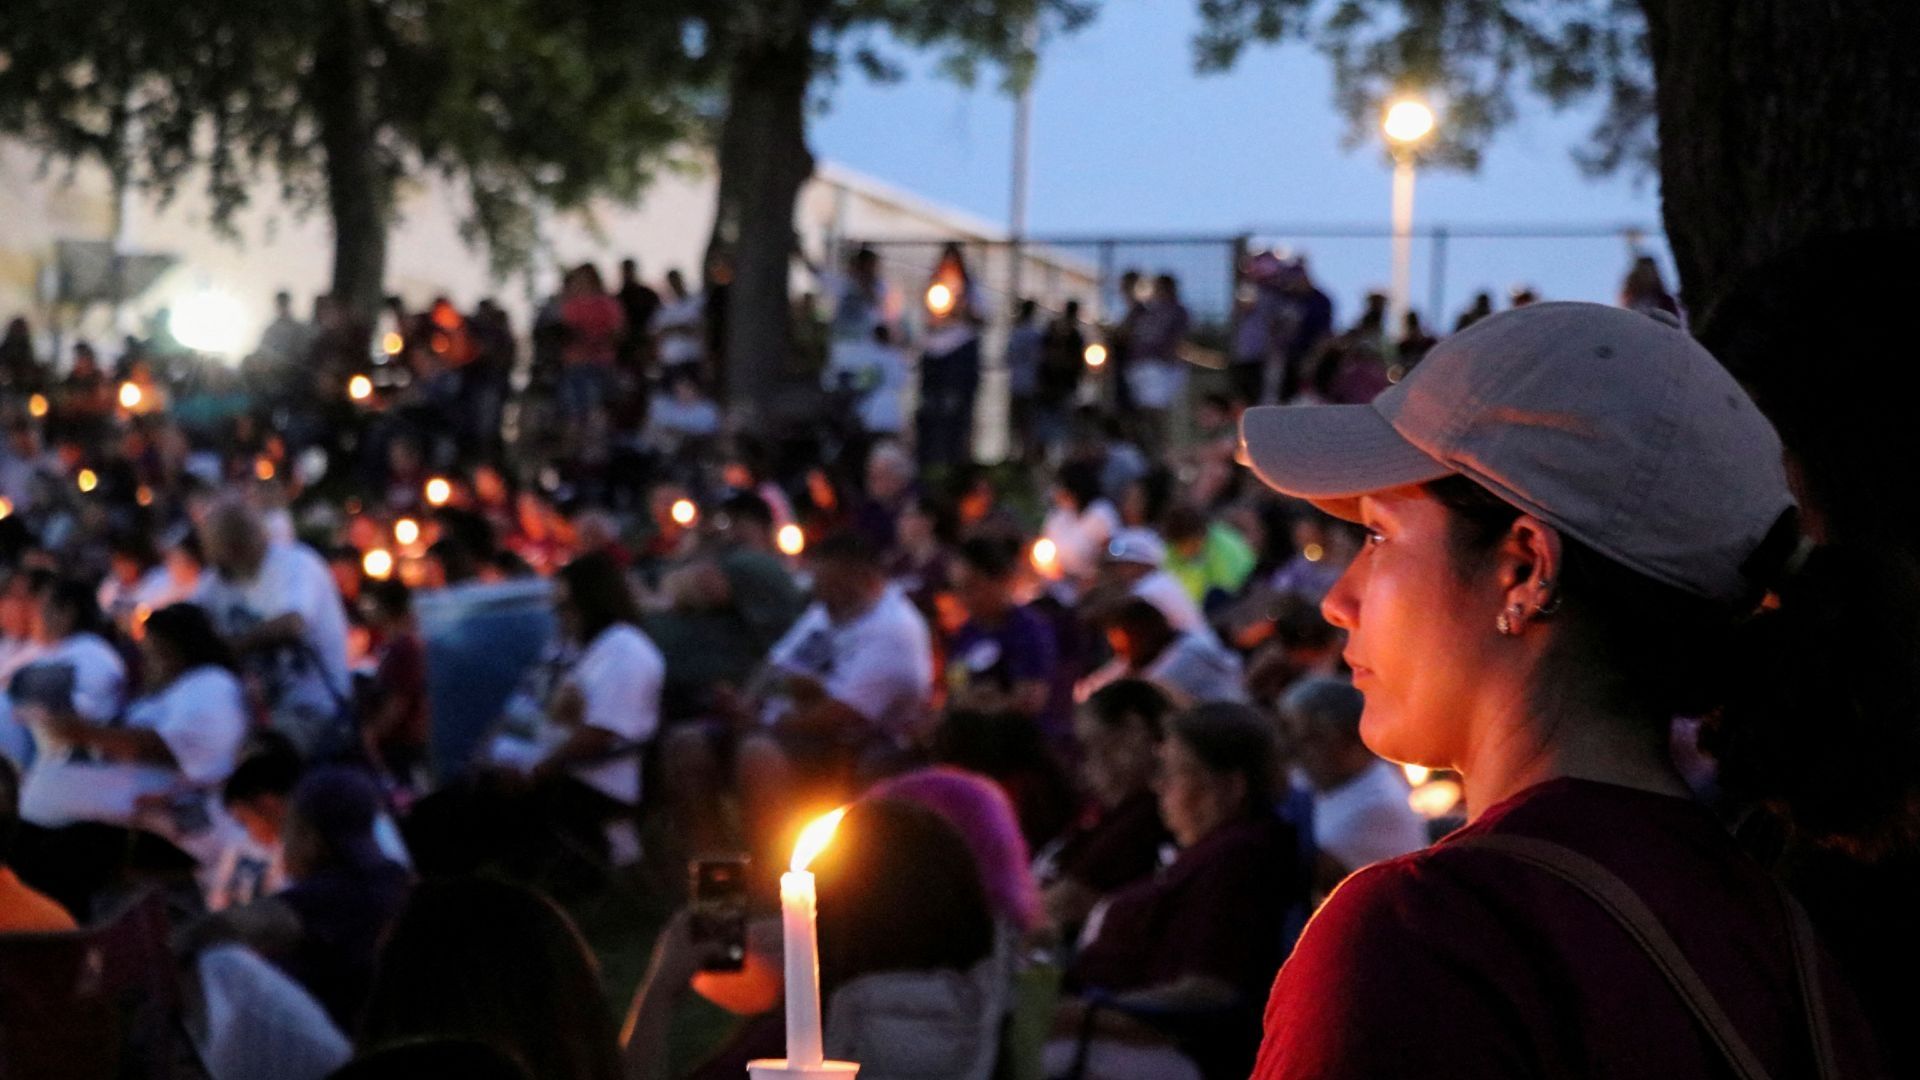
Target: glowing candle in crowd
[
  {"x": 359, "y": 388},
  {"x": 378, "y": 564},
  {"x": 1046, "y": 557},
  {"x": 791, "y": 540},
  {"x": 392, "y": 343},
  {"x": 87, "y": 480},
  {"x": 130, "y": 396},
  {"x": 37, "y": 405},
  {"x": 438, "y": 492},
  {"x": 684, "y": 511},
  {"x": 1096, "y": 355},
  {"x": 6, "y": 508},
  {"x": 797, "y": 899},
  {"x": 406, "y": 531},
  {"x": 939, "y": 299},
  {"x": 263, "y": 467},
  {"x": 144, "y": 496},
  {"x": 1417, "y": 774},
  {"x": 1435, "y": 798}
]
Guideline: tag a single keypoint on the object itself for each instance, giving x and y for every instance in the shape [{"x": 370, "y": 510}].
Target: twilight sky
[{"x": 1128, "y": 140}]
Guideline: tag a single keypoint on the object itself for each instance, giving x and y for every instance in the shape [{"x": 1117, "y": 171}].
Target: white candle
[
  {"x": 803, "y": 969},
  {"x": 802, "y": 946}
]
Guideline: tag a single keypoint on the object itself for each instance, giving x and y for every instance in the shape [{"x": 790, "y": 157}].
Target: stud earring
[{"x": 1504, "y": 625}]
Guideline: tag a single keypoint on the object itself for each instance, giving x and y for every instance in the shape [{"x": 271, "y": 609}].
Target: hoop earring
[{"x": 1551, "y": 606}]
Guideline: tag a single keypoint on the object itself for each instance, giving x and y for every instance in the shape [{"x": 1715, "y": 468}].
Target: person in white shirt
[
  {"x": 162, "y": 768},
  {"x": 874, "y": 373},
  {"x": 1134, "y": 560},
  {"x": 1360, "y": 810},
  {"x": 680, "y": 325},
  {"x": 1079, "y": 526},
  {"x": 607, "y": 703},
  {"x": 847, "y": 687},
  {"x": 1191, "y": 668},
  {"x": 280, "y": 610}
]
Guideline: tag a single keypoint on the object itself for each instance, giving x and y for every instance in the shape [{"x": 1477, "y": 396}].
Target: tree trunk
[
  {"x": 1780, "y": 120},
  {"x": 763, "y": 161},
  {"x": 356, "y": 181}
]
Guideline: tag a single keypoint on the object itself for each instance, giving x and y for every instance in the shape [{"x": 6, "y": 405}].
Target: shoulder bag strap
[
  {"x": 1627, "y": 909},
  {"x": 1806, "y": 963}
]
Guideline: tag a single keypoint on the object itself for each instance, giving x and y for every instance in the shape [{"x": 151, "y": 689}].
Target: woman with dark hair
[
  {"x": 1118, "y": 839},
  {"x": 75, "y": 636},
  {"x": 497, "y": 964},
  {"x": 1574, "y": 515},
  {"x": 1194, "y": 947},
  {"x": 607, "y": 702}
]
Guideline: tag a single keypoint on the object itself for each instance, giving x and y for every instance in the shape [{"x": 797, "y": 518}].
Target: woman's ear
[{"x": 1529, "y": 565}]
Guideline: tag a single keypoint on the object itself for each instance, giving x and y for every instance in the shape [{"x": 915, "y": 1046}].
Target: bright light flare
[
  {"x": 1417, "y": 774},
  {"x": 406, "y": 531},
  {"x": 1408, "y": 121},
  {"x": 1096, "y": 355},
  {"x": 815, "y": 838},
  {"x": 684, "y": 512},
  {"x": 791, "y": 540},
  {"x": 1435, "y": 798},
  {"x": 438, "y": 491},
  {"x": 210, "y": 321},
  {"x": 378, "y": 564}
]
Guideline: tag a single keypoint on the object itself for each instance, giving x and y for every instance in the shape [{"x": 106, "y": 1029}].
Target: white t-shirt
[
  {"x": 293, "y": 579},
  {"x": 620, "y": 675},
  {"x": 879, "y": 663},
  {"x": 1080, "y": 538},
  {"x": 1367, "y": 819},
  {"x": 1164, "y": 591},
  {"x": 202, "y": 717},
  {"x": 681, "y": 327},
  {"x": 99, "y": 675},
  {"x": 879, "y": 373}
]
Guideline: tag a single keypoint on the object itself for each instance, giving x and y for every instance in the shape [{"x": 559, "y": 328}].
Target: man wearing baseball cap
[{"x": 1573, "y": 514}]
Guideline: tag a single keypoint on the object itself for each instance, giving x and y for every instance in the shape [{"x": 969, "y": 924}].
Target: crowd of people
[{"x": 1087, "y": 706}]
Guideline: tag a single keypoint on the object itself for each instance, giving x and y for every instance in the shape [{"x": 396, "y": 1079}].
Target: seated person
[
  {"x": 1360, "y": 809},
  {"x": 1191, "y": 667},
  {"x": 1134, "y": 565},
  {"x": 603, "y": 704},
  {"x": 845, "y": 689},
  {"x": 325, "y": 928},
  {"x": 1204, "y": 937},
  {"x": 257, "y": 795},
  {"x": 1120, "y": 838},
  {"x": 1004, "y": 657},
  {"x": 161, "y": 769},
  {"x": 394, "y": 725},
  {"x": 1210, "y": 559}
]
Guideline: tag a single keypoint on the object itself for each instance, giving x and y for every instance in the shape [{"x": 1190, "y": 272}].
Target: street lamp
[{"x": 1408, "y": 123}]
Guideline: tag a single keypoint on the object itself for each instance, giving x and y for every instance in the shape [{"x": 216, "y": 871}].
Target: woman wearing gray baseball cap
[{"x": 1573, "y": 514}]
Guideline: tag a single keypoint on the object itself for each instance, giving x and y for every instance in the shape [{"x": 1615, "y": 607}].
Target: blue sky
[{"x": 1127, "y": 139}]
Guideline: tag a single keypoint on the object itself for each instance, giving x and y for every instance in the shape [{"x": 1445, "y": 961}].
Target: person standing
[
  {"x": 638, "y": 303},
  {"x": 594, "y": 326},
  {"x": 1024, "y": 344},
  {"x": 1158, "y": 375},
  {"x": 949, "y": 363},
  {"x": 1063, "y": 364}
]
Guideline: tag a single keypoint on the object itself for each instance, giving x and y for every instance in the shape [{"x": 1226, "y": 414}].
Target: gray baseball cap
[{"x": 1616, "y": 428}]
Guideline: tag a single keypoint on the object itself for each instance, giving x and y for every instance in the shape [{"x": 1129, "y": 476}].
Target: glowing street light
[
  {"x": 359, "y": 388},
  {"x": 438, "y": 491},
  {"x": 378, "y": 564},
  {"x": 1407, "y": 123},
  {"x": 1096, "y": 355}
]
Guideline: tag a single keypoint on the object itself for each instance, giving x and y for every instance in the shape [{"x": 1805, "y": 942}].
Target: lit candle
[{"x": 804, "y": 1046}]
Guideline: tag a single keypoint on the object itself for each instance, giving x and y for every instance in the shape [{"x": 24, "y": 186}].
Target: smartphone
[{"x": 720, "y": 912}]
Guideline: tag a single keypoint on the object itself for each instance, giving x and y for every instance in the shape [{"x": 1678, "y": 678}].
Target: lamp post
[{"x": 1407, "y": 123}]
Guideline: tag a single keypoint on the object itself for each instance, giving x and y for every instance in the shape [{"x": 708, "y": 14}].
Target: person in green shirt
[{"x": 1209, "y": 558}]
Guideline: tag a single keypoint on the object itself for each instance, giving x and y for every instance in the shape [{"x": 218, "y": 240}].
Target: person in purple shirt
[{"x": 1004, "y": 657}]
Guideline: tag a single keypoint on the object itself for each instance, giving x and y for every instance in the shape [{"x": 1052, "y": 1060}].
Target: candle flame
[
  {"x": 684, "y": 511},
  {"x": 37, "y": 405},
  {"x": 87, "y": 480},
  {"x": 392, "y": 343},
  {"x": 439, "y": 491},
  {"x": 1046, "y": 555},
  {"x": 406, "y": 530},
  {"x": 939, "y": 299},
  {"x": 1417, "y": 774},
  {"x": 791, "y": 540},
  {"x": 1096, "y": 355},
  {"x": 359, "y": 388},
  {"x": 814, "y": 838},
  {"x": 378, "y": 564},
  {"x": 130, "y": 395}
]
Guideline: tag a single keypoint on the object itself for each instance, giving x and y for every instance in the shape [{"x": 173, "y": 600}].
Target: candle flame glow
[
  {"x": 684, "y": 511},
  {"x": 37, "y": 405},
  {"x": 1417, "y": 774},
  {"x": 378, "y": 564},
  {"x": 1096, "y": 354},
  {"x": 406, "y": 530},
  {"x": 791, "y": 540},
  {"x": 130, "y": 395},
  {"x": 438, "y": 491},
  {"x": 1046, "y": 555},
  {"x": 359, "y": 388},
  {"x": 814, "y": 839},
  {"x": 939, "y": 299}
]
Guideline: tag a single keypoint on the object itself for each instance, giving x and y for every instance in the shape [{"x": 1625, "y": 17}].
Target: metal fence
[{"x": 1451, "y": 262}]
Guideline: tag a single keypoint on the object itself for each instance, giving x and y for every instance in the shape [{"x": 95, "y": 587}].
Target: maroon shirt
[{"x": 1455, "y": 962}]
